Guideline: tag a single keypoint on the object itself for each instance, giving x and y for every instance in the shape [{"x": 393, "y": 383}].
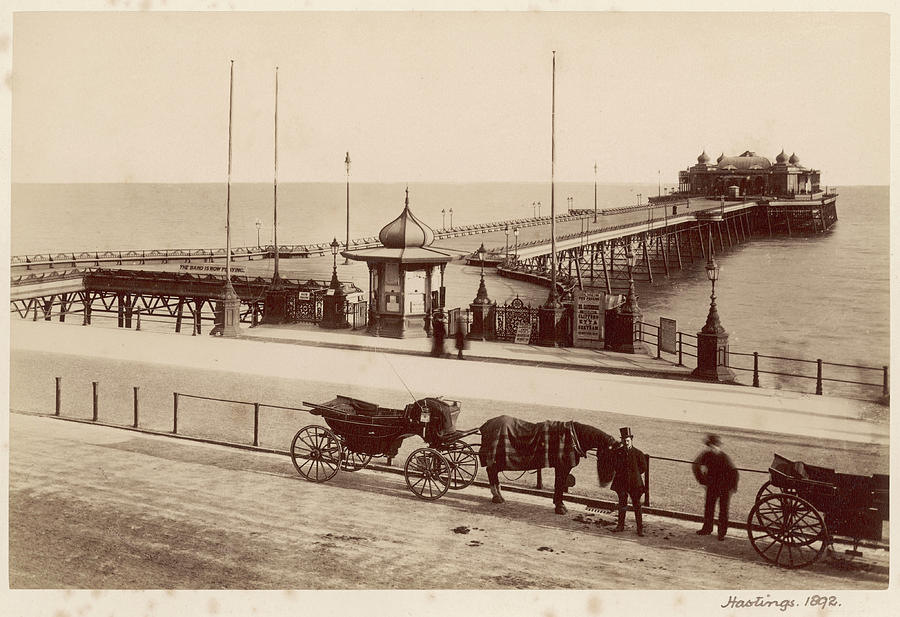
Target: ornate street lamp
[
  {"x": 482, "y": 308},
  {"x": 506, "y": 231},
  {"x": 630, "y": 260},
  {"x": 347, "y": 167},
  {"x": 443, "y": 219},
  {"x": 451, "y": 218},
  {"x": 333, "y": 314},
  {"x": 621, "y": 334},
  {"x": 258, "y": 226},
  {"x": 712, "y": 340},
  {"x": 534, "y": 209},
  {"x": 539, "y": 209},
  {"x": 639, "y": 198},
  {"x": 516, "y": 234}
]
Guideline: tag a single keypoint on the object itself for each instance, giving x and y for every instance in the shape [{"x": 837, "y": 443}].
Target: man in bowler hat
[
  {"x": 714, "y": 470},
  {"x": 630, "y": 466}
]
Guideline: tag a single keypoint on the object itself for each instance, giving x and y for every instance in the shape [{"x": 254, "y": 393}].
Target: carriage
[
  {"x": 802, "y": 508},
  {"x": 358, "y": 431}
]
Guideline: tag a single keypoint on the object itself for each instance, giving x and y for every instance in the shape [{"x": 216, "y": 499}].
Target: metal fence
[{"x": 785, "y": 371}]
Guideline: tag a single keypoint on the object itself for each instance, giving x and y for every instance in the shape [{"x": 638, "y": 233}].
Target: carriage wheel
[
  {"x": 512, "y": 476},
  {"x": 427, "y": 473},
  {"x": 787, "y": 530},
  {"x": 354, "y": 461},
  {"x": 463, "y": 464},
  {"x": 316, "y": 453}
]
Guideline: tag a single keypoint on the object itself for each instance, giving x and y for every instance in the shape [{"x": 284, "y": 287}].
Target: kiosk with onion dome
[{"x": 401, "y": 277}]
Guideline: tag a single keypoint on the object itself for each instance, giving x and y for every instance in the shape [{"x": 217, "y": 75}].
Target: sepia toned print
[{"x": 449, "y": 304}]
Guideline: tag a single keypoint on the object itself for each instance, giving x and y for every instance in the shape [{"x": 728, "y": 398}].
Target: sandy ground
[{"x": 94, "y": 507}]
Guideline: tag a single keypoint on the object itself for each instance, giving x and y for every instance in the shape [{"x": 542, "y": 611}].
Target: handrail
[{"x": 819, "y": 377}]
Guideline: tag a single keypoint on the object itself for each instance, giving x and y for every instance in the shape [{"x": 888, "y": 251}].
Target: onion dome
[
  {"x": 703, "y": 158},
  {"x": 794, "y": 160},
  {"x": 406, "y": 231},
  {"x": 746, "y": 161},
  {"x": 721, "y": 156},
  {"x": 781, "y": 158}
]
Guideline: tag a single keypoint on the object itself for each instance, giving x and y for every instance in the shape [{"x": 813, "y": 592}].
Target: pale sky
[{"x": 143, "y": 96}]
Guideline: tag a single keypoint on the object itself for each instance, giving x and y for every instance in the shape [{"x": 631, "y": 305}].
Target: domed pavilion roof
[
  {"x": 703, "y": 158},
  {"x": 746, "y": 161},
  {"x": 782, "y": 157},
  {"x": 794, "y": 160},
  {"x": 406, "y": 230}
]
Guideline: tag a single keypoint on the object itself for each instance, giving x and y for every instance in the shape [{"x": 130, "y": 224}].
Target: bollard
[
  {"x": 819, "y": 376},
  {"x": 58, "y": 395},
  {"x": 175, "y": 414},
  {"x": 540, "y": 481},
  {"x": 95, "y": 401},
  {"x": 255, "y": 424},
  {"x": 755, "y": 369},
  {"x": 138, "y": 327},
  {"x": 885, "y": 389},
  {"x": 136, "y": 388},
  {"x": 680, "y": 348}
]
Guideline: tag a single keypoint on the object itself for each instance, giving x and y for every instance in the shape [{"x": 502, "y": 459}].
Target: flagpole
[
  {"x": 551, "y": 299},
  {"x": 231, "y": 309},
  {"x": 276, "y": 279}
]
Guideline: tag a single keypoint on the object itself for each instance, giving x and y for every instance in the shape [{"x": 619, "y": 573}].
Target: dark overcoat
[
  {"x": 715, "y": 471},
  {"x": 630, "y": 465}
]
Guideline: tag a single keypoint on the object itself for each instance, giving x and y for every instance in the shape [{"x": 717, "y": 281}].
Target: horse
[{"x": 508, "y": 443}]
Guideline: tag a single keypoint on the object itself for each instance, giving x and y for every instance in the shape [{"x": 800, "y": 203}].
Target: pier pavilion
[{"x": 748, "y": 174}]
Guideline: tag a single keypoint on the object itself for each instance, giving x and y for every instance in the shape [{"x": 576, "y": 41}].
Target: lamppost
[
  {"x": 595, "y": 191},
  {"x": 628, "y": 316},
  {"x": 569, "y": 201},
  {"x": 506, "y": 231},
  {"x": 333, "y": 314},
  {"x": 539, "y": 209},
  {"x": 451, "y": 218},
  {"x": 534, "y": 209},
  {"x": 347, "y": 167},
  {"x": 443, "y": 218},
  {"x": 712, "y": 340},
  {"x": 639, "y": 198},
  {"x": 258, "y": 226},
  {"x": 516, "y": 234},
  {"x": 482, "y": 307}
]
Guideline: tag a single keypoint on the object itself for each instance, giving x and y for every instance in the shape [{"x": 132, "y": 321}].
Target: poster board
[
  {"x": 590, "y": 311},
  {"x": 523, "y": 334},
  {"x": 667, "y": 335}
]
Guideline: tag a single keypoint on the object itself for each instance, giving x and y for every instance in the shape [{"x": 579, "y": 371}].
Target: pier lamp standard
[
  {"x": 516, "y": 234},
  {"x": 333, "y": 314},
  {"x": 539, "y": 209},
  {"x": 443, "y": 219},
  {"x": 451, "y": 218},
  {"x": 712, "y": 340},
  {"x": 482, "y": 308},
  {"x": 347, "y": 245},
  {"x": 628, "y": 316},
  {"x": 639, "y": 198},
  {"x": 506, "y": 231},
  {"x": 258, "y": 226},
  {"x": 534, "y": 209}
]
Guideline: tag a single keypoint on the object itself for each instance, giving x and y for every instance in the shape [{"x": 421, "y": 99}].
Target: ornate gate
[{"x": 513, "y": 314}]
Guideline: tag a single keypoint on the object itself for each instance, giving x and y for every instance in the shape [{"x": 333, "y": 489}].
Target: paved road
[{"x": 95, "y": 507}]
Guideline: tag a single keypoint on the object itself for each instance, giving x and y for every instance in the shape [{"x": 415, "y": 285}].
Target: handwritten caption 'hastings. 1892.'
[{"x": 784, "y": 604}]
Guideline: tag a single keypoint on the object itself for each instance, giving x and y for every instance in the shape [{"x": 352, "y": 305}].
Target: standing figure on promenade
[
  {"x": 439, "y": 330},
  {"x": 461, "y": 342},
  {"x": 714, "y": 470},
  {"x": 630, "y": 466}
]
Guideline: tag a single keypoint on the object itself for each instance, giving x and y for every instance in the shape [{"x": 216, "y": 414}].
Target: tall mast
[
  {"x": 228, "y": 189},
  {"x": 551, "y": 300},
  {"x": 275, "y": 276}
]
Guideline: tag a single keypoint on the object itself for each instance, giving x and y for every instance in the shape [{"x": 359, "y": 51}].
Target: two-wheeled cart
[
  {"x": 358, "y": 430},
  {"x": 802, "y": 508}
]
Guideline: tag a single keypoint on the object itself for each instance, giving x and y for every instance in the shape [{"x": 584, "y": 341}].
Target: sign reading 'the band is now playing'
[{"x": 590, "y": 308}]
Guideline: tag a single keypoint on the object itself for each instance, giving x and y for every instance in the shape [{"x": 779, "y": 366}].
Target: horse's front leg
[
  {"x": 494, "y": 479},
  {"x": 560, "y": 485}
]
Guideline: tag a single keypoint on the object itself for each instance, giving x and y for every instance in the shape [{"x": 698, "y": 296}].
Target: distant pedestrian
[
  {"x": 439, "y": 330},
  {"x": 461, "y": 342},
  {"x": 714, "y": 470},
  {"x": 630, "y": 466}
]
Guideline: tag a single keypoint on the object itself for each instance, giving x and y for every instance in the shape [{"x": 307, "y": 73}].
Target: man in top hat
[
  {"x": 630, "y": 465},
  {"x": 439, "y": 328},
  {"x": 714, "y": 470}
]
